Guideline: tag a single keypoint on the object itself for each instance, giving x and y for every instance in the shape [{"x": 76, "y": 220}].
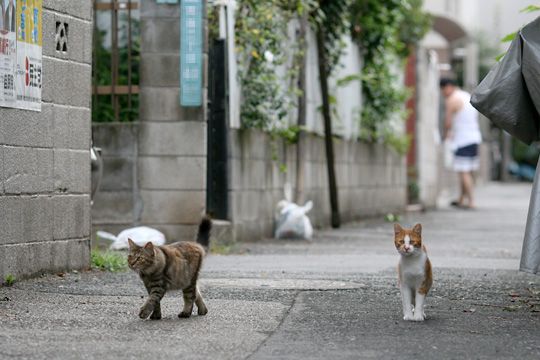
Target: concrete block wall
[
  {"x": 45, "y": 158},
  {"x": 171, "y": 139},
  {"x": 371, "y": 180},
  {"x": 117, "y": 203}
]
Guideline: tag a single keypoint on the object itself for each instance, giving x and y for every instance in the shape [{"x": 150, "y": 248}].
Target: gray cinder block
[
  {"x": 72, "y": 171},
  {"x": 78, "y": 8},
  {"x": 172, "y": 207},
  {"x": 71, "y": 127},
  {"x": 71, "y": 216},
  {"x": 173, "y": 173},
  {"x": 179, "y": 138},
  {"x": 28, "y": 170}
]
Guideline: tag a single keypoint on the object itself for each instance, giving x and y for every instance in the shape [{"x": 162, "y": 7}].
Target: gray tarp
[
  {"x": 510, "y": 97},
  {"x": 530, "y": 255}
]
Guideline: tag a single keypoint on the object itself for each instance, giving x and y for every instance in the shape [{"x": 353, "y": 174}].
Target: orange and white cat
[{"x": 414, "y": 270}]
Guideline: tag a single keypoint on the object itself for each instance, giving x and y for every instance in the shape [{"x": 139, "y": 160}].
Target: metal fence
[{"x": 115, "y": 61}]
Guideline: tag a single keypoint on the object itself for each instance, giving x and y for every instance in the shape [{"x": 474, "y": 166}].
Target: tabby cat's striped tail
[{"x": 203, "y": 235}]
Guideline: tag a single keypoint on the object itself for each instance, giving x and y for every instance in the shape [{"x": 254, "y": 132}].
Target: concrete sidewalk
[{"x": 333, "y": 298}]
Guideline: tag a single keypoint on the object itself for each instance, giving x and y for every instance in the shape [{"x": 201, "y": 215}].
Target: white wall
[
  {"x": 495, "y": 17},
  {"x": 501, "y": 17},
  {"x": 349, "y": 97},
  {"x": 464, "y": 12}
]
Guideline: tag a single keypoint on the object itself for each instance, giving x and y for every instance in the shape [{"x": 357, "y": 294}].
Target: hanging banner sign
[
  {"x": 191, "y": 52},
  {"x": 28, "y": 79},
  {"x": 8, "y": 55},
  {"x": 21, "y": 40}
]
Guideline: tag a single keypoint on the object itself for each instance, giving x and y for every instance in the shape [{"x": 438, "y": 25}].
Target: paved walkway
[{"x": 334, "y": 298}]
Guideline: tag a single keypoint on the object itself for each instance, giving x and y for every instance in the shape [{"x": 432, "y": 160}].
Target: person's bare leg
[
  {"x": 461, "y": 177},
  {"x": 468, "y": 186}
]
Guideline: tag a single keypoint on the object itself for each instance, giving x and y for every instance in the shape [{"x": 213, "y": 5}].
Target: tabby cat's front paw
[
  {"x": 184, "y": 315},
  {"x": 155, "y": 316},
  {"x": 202, "y": 311},
  {"x": 145, "y": 312}
]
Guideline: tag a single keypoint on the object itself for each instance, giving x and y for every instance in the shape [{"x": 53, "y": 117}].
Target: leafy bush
[{"x": 386, "y": 31}]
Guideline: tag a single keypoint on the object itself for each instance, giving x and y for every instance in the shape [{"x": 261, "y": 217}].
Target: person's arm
[
  {"x": 449, "y": 114},
  {"x": 453, "y": 105}
]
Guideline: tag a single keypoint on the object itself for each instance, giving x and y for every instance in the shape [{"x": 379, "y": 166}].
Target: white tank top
[{"x": 465, "y": 123}]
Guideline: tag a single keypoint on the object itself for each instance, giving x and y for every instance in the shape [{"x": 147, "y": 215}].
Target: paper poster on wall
[
  {"x": 8, "y": 56},
  {"x": 28, "y": 77}
]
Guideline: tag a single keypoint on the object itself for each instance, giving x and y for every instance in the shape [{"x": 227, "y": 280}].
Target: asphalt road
[{"x": 333, "y": 298}]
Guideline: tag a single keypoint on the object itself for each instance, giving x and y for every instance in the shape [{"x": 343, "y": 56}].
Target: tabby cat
[
  {"x": 414, "y": 271},
  {"x": 171, "y": 267}
]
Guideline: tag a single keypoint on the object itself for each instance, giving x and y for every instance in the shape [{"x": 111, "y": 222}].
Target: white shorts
[
  {"x": 466, "y": 158},
  {"x": 466, "y": 163}
]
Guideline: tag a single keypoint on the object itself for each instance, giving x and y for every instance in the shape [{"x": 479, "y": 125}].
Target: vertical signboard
[
  {"x": 191, "y": 48},
  {"x": 8, "y": 48},
  {"x": 28, "y": 77}
]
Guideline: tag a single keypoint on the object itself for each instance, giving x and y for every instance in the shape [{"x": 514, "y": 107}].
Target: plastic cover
[{"x": 506, "y": 94}]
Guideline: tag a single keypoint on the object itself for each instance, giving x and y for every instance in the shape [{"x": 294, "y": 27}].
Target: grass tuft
[
  {"x": 9, "y": 280},
  {"x": 108, "y": 260},
  {"x": 223, "y": 249}
]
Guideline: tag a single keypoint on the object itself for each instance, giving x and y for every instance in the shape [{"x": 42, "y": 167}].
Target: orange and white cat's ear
[
  {"x": 397, "y": 228},
  {"x": 417, "y": 229},
  {"x": 132, "y": 244}
]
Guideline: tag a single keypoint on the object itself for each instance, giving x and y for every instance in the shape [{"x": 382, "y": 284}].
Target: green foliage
[
  {"x": 384, "y": 97},
  {"x": 223, "y": 249},
  {"x": 261, "y": 30},
  {"x": 530, "y": 8},
  {"x": 108, "y": 260},
  {"x": 390, "y": 217},
  {"x": 332, "y": 16},
  {"x": 509, "y": 37},
  {"x": 386, "y": 31},
  {"x": 413, "y": 192},
  {"x": 525, "y": 154},
  {"x": 264, "y": 46},
  {"x": 382, "y": 26},
  {"x": 290, "y": 134},
  {"x": 512, "y": 36},
  {"x": 9, "y": 279},
  {"x": 102, "y": 108}
]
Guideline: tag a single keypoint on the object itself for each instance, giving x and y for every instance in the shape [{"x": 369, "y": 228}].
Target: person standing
[{"x": 462, "y": 129}]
